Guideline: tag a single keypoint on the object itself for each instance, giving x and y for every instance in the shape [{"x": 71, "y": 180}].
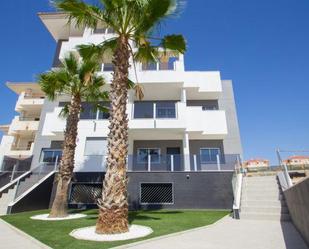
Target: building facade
[{"x": 186, "y": 122}]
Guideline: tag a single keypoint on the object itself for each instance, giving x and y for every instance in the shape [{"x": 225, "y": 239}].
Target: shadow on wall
[
  {"x": 292, "y": 238},
  {"x": 297, "y": 200}
]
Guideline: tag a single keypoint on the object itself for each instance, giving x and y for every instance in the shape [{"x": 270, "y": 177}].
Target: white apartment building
[
  {"x": 190, "y": 115},
  {"x": 187, "y": 121}
]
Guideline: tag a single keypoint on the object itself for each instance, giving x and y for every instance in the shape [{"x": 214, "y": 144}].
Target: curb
[
  {"x": 171, "y": 234},
  {"x": 27, "y": 236}
]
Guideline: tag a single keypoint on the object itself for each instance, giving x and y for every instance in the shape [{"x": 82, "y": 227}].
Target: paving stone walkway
[
  {"x": 12, "y": 238},
  {"x": 231, "y": 234}
]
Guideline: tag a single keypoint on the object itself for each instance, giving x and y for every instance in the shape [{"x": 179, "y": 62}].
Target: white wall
[{"x": 5, "y": 146}]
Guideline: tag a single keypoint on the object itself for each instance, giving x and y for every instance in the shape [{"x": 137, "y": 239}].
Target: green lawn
[{"x": 56, "y": 233}]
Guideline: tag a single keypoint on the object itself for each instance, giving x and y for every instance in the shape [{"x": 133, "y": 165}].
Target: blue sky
[{"x": 262, "y": 45}]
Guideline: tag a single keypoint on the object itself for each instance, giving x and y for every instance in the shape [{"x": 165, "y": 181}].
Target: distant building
[
  {"x": 255, "y": 163},
  {"x": 297, "y": 160}
]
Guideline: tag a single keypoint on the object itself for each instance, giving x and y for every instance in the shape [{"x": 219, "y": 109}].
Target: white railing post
[
  {"x": 218, "y": 162},
  {"x": 13, "y": 172},
  {"x": 172, "y": 163},
  {"x": 149, "y": 162},
  {"x": 195, "y": 162},
  {"x": 56, "y": 164},
  {"x": 127, "y": 162}
]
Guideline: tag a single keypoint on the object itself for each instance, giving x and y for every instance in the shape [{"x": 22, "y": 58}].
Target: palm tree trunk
[
  {"x": 113, "y": 207},
  {"x": 60, "y": 203}
]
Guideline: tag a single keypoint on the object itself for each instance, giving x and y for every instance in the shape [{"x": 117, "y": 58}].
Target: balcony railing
[
  {"x": 29, "y": 118},
  {"x": 33, "y": 96},
  {"x": 21, "y": 148}
]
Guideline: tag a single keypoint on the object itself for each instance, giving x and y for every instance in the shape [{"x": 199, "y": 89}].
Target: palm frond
[
  {"x": 139, "y": 91},
  {"x": 174, "y": 42},
  {"x": 70, "y": 62},
  {"x": 65, "y": 111},
  {"x": 98, "y": 52},
  {"x": 79, "y": 12},
  {"x": 146, "y": 53}
]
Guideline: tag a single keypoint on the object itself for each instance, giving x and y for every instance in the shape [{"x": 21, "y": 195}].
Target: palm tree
[
  {"x": 77, "y": 79},
  {"x": 134, "y": 22}
]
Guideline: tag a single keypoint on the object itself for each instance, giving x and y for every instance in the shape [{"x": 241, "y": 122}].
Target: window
[
  {"x": 63, "y": 104},
  {"x": 108, "y": 67},
  {"x": 104, "y": 115},
  {"x": 209, "y": 108},
  {"x": 95, "y": 146},
  {"x": 169, "y": 65},
  {"x": 151, "y": 66},
  {"x": 165, "y": 109},
  {"x": 88, "y": 111},
  {"x": 110, "y": 31},
  {"x": 143, "y": 109},
  {"x": 209, "y": 155},
  {"x": 100, "y": 31},
  {"x": 51, "y": 156},
  {"x": 143, "y": 153},
  {"x": 103, "y": 30}
]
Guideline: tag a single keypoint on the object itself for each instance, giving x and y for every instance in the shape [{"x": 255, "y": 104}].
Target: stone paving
[
  {"x": 231, "y": 234},
  {"x": 12, "y": 238}
]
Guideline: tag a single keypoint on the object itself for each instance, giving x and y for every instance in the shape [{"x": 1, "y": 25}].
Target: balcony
[
  {"x": 21, "y": 151},
  {"x": 171, "y": 163},
  {"x": 24, "y": 125},
  {"x": 29, "y": 101},
  {"x": 210, "y": 123},
  {"x": 157, "y": 115}
]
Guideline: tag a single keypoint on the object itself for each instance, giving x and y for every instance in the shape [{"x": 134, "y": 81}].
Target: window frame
[
  {"x": 148, "y": 149},
  {"x": 85, "y": 145},
  {"x": 209, "y": 149},
  {"x": 53, "y": 156}
]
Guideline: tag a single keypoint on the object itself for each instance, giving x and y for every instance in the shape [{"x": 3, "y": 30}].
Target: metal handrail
[
  {"x": 237, "y": 188},
  {"x": 285, "y": 170},
  {"x": 10, "y": 184},
  {"x": 39, "y": 167}
]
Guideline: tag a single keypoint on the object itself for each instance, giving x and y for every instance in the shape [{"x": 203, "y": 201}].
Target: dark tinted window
[
  {"x": 104, "y": 115},
  {"x": 165, "y": 109},
  {"x": 88, "y": 111},
  {"x": 143, "y": 109}
]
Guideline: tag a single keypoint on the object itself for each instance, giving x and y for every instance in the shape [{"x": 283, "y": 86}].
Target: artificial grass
[{"x": 56, "y": 233}]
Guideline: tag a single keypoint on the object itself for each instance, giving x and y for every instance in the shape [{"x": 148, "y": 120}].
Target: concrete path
[
  {"x": 12, "y": 238},
  {"x": 231, "y": 234}
]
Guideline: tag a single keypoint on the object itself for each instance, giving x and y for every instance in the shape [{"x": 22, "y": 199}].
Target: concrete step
[
  {"x": 261, "y": 182},
  {"x": 260, "y": 196},
  {"x": 261, "y": 179},
  {"x": 264, "y": 209},
  {"x": 261, "y": 186},
  {"x": 264, "y": 216},
  {"x": 260, "y": 192},
  {"x": 272, "y": 203}
]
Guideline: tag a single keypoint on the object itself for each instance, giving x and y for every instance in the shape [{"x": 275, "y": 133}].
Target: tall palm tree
[
  {"x": 77, "y": 79},
  {"x": 134, "y": 22}
]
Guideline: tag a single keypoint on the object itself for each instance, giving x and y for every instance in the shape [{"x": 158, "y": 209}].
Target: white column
[
  {"x": 186, "y": 152},
  {"x": 172, "y": 163},
  {"x": 218, "y": 162},
  {"x": 183, "y": 95}
]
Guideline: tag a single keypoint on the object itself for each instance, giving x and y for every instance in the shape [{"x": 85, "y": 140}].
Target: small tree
[
  {"x": 76, "y": 78},
  {"x": 134, "y": 22}
]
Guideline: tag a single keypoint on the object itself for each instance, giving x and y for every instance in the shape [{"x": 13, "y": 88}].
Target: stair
[
  {"x": 5, "y": 199},
  {"x": 262, "y": 199}
]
